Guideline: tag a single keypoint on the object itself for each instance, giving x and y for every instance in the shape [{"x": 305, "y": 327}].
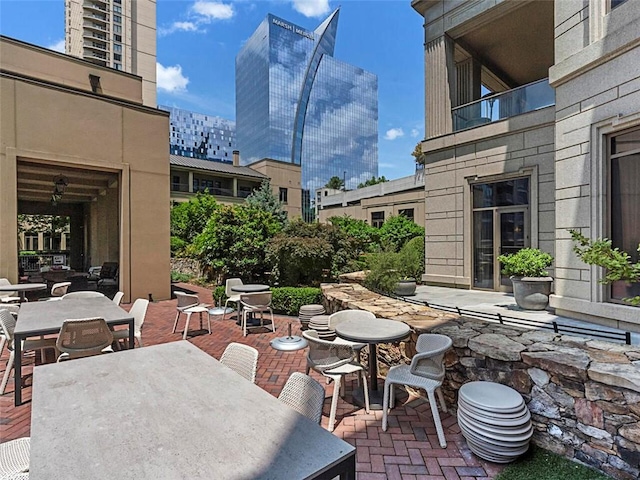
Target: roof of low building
[{"x": 212, "y": 166}]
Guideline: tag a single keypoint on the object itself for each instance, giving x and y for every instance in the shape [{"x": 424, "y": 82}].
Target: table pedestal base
[{"x": 375, "y": 397}]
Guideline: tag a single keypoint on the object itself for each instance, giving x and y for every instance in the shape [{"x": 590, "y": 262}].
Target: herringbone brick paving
[{"x": 408, "y": 450}]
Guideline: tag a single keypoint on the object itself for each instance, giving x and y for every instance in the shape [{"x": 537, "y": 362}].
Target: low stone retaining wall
[
  {"x": 584, "y": 395},
  {"x": 187, "y": 266}
]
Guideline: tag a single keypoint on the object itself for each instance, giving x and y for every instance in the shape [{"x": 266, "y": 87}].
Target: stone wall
[
  {"x": 584, "y": 395},
  {"x": 187, "y": 266}
]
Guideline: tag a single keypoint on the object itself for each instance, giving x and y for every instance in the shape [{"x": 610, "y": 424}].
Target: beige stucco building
[
  {"x": 63, "y": 117},
  {"x": 120, "y": 34},
  {"x": 376, "y": 203},
  {"x": 232, "y": 183},
  {"x": 527, "y": 106}
]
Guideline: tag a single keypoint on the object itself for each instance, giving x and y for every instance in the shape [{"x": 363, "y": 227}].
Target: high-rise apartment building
[
  {"x": 196, "y": 135},
  {"x": 120, "y": 34},
  {"x": 295, "y": 103}
]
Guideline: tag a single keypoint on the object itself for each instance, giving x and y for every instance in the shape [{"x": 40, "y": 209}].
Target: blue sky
[{"x": 198, "y": 41}]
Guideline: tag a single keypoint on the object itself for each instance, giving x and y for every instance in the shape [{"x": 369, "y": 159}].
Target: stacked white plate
[
  {"x": 320, "y": 323},
  {"x": 494, "y": 420},
  {"x": 308, "y": 311}
]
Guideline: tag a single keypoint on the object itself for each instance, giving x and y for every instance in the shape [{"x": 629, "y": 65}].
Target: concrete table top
[
  {"x": 376, "y": 330},
  {"x": 171, "y": 411},
  {"x": 44, "y": 318},
  {"x": 22, "y": 288},
  {"x": 250, "y": 288}
]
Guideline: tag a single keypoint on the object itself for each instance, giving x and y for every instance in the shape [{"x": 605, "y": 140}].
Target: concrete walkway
[{"x": 504, "y": 304}]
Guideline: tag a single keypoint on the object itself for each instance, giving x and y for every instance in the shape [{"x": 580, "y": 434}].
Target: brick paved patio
[{"x": 408, "y": 450}]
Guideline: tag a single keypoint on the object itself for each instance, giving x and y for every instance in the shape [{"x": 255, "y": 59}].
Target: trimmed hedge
[{"x": 285, "y": 300}]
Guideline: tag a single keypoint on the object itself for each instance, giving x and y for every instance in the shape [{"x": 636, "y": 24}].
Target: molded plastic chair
[
  {"x": 8, "y": 325},
  {"x": 138, "y": 312},
  {"x": 7, "y": 297},
  {"x": 60, "y": 289},
  {"x": 231, "y": 295},
  {"x": 242, "y": 359},
  {"x": 189, "y": 304},
  {"x": 334, "y": 361},
  {"x": 14, "y": 458},
  {"x": 304, "y": 394},
  {"x": 84, "y": 337},
  {"x": 253, "y": 303},
  {"x": 117, "y": 298},
  {"x": 82, "y": 294},
  {"x": 426, "y": 371}
]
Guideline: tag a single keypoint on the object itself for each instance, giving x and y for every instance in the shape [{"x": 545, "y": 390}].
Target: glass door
[
  {"x": 513, "y": 236},
  {"x": 483, "y": 249}
]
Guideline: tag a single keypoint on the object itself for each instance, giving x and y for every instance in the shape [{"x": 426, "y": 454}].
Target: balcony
[
  {"x": 97, "y": 36},
  {"x": 95, "y": 16},
  {"x": 96, "y": 26},
  {"x": 95, "y": 6},
  {"x": 500, "y": 106},
  {"x": 96, "y": 45}
]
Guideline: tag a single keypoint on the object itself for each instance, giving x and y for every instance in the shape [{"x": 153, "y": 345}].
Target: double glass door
[{"x": 497, "y": 231}]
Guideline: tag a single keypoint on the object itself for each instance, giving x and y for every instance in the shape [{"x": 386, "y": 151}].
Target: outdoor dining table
[
  {"x": 23, "y": 288},
  {"x": 180, "y": 413},
  {"x": 44, "y": 318},
  {"x": 372, "y": 332}
]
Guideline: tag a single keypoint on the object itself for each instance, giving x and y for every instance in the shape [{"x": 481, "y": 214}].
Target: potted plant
[{"x": 531, "y": 283}]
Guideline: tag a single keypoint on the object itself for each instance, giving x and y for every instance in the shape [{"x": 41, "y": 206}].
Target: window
[
  {"x": 117, "y": 29},
  {"x": 117, "y": 19},
  {"x": 117, "y": 9},
  {"x": 117, "y": 66},
  {"x": 117, "y": 57},
  {"x": 407, "y": 212},
  {"x": 614, "y": 3},
  {"x": 624, "y": 202},
  {"x": 283, "y": 195},
  {"x": 117, "y": 48},
  {"x": 377, "y": 219},
  {"x": 117, "y": 38},
  {"x": 176, "y": 183}
]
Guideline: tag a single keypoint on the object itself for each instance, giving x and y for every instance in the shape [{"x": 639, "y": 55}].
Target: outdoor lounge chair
[
  {"x": 14, "y": 458},
  {"x": 334, "y": 361},
  {"x": 253, "y": 303},
  {"x": 138, "y": 312},
  {"x": 84, "y": 337},
  {"x": 426, "y": 371},
  {"x": 232, "y": 296},
  {"x": 304, "y": 394},
  {"x": 242, "y": 359}
]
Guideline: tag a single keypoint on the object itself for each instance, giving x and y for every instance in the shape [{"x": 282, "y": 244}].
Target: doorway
[{"x": 500, "y": 226}]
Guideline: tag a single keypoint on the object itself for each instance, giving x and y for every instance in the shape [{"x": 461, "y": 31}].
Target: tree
[
  {"x": 367, "y": 238},
  {"x": 336, "y": 183},
  {"x": 264, "y": 198},
  {"x": 188, "y": 219},
  {"x": 372, "y": 181},
  {"x": 234, "y": 241},
  {"x": 398, "y": 230},
  {"x": 419, "y": 155},
  {"x": 617, "y": 263}
]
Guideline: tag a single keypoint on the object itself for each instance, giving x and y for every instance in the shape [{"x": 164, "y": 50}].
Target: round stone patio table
[
  {"x": 23, "y": 288},
  {"x": 372, "y": 332}
]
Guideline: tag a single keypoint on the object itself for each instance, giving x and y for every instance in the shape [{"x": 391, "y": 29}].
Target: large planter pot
[
  {"x": 406, "y": 288},
  {"x": 532, "y": 293}
]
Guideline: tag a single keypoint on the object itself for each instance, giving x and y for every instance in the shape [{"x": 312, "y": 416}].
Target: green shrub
[
  {"x": 177, "y": 245},
  {"x": 412, "y": 258},
  {"x": 397, "y": 230},
  {"x": 384, "y": 271},
  {"x": 528, "y": 262},
  {"x": 180, "y": 277},
  {"x": 285, "y": 300}
]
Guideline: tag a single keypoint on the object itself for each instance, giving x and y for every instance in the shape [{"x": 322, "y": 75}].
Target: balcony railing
[{"x": 526, "y": 98}]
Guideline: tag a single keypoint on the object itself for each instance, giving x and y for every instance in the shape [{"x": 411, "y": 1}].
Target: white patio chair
[
  {"x": 426, "y": 371},
  {"x": 334, "y": 361},
  {"x": 7, "y": 297},
  {"x": 82, "y": 294},
  {"x": 8, "y": 325},
  {"x": 60, "y": 289},
  {"x": 304, "y": 394},
  {"x": 117, "y": 298},
  {"x": 242, "y": 359},
  {"x": 14, "y": 458},
  {"x": 232, "y": 296},
  {"x": 84, "y": 337},
  {"x": 189, "y": 304},
  {"x": 254, "y": 303},
  {"x": 138, "y": 312}
]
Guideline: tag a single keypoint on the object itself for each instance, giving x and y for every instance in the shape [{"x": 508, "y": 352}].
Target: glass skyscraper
[
  {"x": 197, "y": 135},
  {"x": 296, "y": 103}
]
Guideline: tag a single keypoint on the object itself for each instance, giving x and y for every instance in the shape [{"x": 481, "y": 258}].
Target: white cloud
[
  {"x": 170, "y": 79},
  {"x": 415, "y": 132},
  {"x": 213, "y": 10},
  {"x": 57, "y": 46},
  {"x": 393, "y": 133},
  {"x": 178, "y": 27},
  {"x": 311, "y": 8}
]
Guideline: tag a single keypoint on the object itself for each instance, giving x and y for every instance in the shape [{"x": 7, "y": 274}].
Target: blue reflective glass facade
[
  {"x": 296, "y": 103},
  {"x": 197, "y": 135}
]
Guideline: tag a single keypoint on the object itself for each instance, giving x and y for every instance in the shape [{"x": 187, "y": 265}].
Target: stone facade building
[{"x": 532, "y": 127}]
